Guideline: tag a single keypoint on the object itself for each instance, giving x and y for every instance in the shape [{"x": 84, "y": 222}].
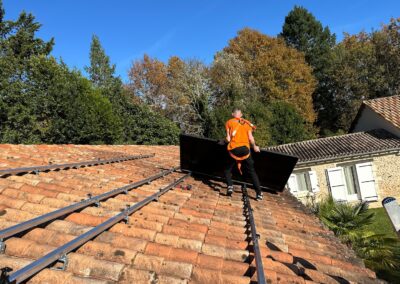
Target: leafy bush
[{"x": 349, "y": 221}]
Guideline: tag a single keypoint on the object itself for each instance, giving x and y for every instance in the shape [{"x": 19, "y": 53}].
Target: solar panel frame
[{"x": 207, "y": 157}]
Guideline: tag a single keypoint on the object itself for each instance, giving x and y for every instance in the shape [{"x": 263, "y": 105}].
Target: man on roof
[{"x": 239, "y": 135}]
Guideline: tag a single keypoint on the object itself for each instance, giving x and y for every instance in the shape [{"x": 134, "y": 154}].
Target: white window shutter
[
  {"x": 366, "y": 181},
  {"x": 313, "y": 181},
  {"x": 337, "y": 183},
  {"x": 292, "y": 184}
]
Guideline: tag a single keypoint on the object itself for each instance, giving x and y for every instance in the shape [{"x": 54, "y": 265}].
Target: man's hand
[{"x": 256, "y": 149}]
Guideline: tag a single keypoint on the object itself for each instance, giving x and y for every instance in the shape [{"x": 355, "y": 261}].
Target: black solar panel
[{"x": 207, "y": 157}]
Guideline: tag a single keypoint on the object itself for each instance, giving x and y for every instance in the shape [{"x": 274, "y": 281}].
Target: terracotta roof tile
[
  {"x": 204, "y": 276},
  {"x": 89, "y": 266},
  {"x": 196, "y": 236},
  {"x": 134, "y": 275},
  {"x": 387, "y": 107}
]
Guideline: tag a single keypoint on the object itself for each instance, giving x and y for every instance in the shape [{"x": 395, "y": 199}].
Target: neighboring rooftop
[
  {"x": 359, "y": 143},
  {"x": 196, "y": 236},
  {"x": 387, "y": 107}
]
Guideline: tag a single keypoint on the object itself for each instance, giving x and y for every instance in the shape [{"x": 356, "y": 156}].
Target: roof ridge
[
  {"x": 381, "y": 98},
  {"x": 330, "y": 137}
]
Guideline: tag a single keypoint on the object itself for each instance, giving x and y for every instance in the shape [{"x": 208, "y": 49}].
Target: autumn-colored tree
[
  {"x": 227, "y": 76},
  {"x": 148, "y": 80},
  {"x": 189, "y": 96},
  {"x": 180, "y": 90},
  {"x": 278, "y": 71}
]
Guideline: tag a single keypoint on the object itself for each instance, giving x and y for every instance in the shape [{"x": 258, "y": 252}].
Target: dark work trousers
[{"x": 247, "y": 167}]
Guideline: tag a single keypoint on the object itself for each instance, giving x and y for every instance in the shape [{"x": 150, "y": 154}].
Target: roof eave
[{"x": 348, "y": 157}]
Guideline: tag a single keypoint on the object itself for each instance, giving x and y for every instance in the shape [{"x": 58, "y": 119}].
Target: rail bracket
[
  {"x": 2, "y": 246},
  {"x": 90, "y": 196},
  {"x": 64, "y": 260},
  {"x": 4, "y": 274},
  {"x": 126, "y": 218}
]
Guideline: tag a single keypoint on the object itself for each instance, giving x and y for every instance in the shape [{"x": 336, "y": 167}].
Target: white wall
[{"x": 369, "y": 120}]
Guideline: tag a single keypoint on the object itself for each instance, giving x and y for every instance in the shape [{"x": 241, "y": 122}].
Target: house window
[
  {"x": 350, "y": 174},
  {"x": 303, "y": 182},
  {"x": 352, "y": 182}
]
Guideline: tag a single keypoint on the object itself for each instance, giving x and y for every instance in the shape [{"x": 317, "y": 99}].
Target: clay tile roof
[
  {"x": 387, "y": 107},
  {"x": 197, "y": 236},
  {"x": 360, "y": 143}
]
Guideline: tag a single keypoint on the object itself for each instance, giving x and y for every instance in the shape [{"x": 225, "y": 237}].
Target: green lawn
[{"x": 381, "y": 223}]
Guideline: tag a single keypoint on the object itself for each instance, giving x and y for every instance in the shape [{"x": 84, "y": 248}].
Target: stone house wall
[{"x": 386, "y": 170}]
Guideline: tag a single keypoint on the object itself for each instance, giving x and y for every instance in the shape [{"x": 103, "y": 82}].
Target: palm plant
[
  {"x": 344, "y": 219},
  {"x": 379, "y": 251}
]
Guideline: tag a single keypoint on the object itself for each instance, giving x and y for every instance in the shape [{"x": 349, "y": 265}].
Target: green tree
[
  {"x": 2, "y": 13},
  {"x": 387, "y": 52},
  {"x": 304, "y": 32},
  {"x": 287, "y": 125},
  {"x": 42, "y": 100},
  {"x": 18, "y": 46},
  {"x": 140, "y": 125},
  {"x": 352, "y": 80},
  {"x": 101, "y": 71},
  {"x": 144, "y": 126}
]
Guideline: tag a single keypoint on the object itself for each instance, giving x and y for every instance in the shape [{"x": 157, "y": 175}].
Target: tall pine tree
[
  {"x": 101, "y": 71},
  {"x": 304, "y": 32}
]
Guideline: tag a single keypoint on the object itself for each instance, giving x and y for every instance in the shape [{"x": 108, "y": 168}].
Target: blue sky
[{"x": 186, "y": 28}]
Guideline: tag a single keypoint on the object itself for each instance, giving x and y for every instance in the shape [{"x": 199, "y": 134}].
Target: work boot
[
  {"x": 259, "y": 196},
  {"x": 230, "y": 190}
]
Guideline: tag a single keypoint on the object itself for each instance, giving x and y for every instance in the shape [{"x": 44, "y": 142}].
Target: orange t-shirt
[{"x": 238, "y": 130}]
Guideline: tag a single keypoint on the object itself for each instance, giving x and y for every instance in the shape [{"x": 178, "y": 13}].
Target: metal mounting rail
[
  {"x": 37, "y": 169},
  {"x": 59, "y": 254},
  {"x": 254, "y": 236},
  {"x": 29, "y": 224}
]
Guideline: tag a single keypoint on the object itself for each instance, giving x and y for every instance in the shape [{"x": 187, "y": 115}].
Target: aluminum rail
[
  {"x": 60, "y": 253},
  {"x": 29, "y": 224},
  {"x": 37, "y": 169},
  {"x": 256, "y": 247}
]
